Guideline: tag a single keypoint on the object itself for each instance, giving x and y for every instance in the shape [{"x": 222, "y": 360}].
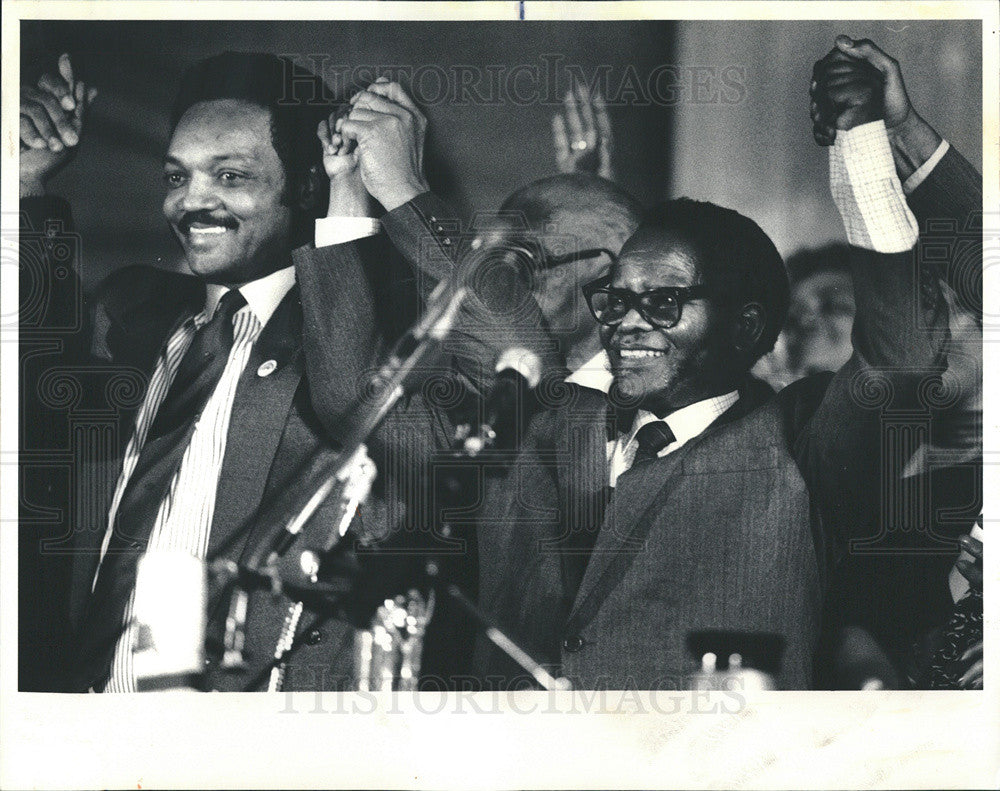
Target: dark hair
[
  {"x": 296, "y": 98},
  {"x": 739, "y": 260}
]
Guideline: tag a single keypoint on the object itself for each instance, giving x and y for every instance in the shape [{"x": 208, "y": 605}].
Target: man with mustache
[
  {"x": 254, "y": 362},
  {"x": 674, "y": 493}
]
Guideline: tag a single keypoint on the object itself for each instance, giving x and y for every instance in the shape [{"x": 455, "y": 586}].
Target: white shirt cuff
[
  {"x": 337, "y": 230},
  {"x": 917, "y": 177},
  {"x": 867, "y": 191}
]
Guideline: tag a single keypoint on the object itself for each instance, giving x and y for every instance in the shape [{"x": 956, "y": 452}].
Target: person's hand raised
[
  {"x": 348, "y": 196},
  {"x": 896, "y": 106},
  {"x": 581, "y": 134},
  {"x": 845, "y": 92},
  {"x": 51, "y": 124},
  {"x": 389, "y": 130}
]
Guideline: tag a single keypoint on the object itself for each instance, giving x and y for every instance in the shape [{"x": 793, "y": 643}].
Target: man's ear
[
  {"x": 749, "y": 327},
  {"x": 309, "y": 190}
]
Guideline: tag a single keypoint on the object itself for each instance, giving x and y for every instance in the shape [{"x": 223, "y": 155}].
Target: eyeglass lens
[{"x": 661, "y": 309}]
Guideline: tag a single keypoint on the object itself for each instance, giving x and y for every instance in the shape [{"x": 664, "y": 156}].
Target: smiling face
[
  {"x": 666, "y": 369},
  {"x": 225, "y": 187}
]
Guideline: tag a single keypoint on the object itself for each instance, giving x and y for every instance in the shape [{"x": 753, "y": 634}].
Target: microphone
[{"x": 509, "y": 405}]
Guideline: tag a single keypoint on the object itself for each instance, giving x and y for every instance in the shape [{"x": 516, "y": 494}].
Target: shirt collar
[
  {"x": 688, "y": 422},
  {"x": 262, "y": 295}
]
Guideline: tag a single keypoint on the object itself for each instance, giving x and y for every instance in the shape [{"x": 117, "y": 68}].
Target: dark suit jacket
[
  {"x": 328, "y": 334},
  {"x": 897, "y": 587},
  {"x": 735, "y": 530}
]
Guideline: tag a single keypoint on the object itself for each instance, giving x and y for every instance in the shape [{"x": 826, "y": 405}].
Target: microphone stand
[
  {"x": 290, "y": 512},
  {"x": 353, "y": 472}
]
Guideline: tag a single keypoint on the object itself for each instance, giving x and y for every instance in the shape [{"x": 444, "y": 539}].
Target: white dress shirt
[
  {"x": 917, "y": 177},
  {"x": 337, "y": 230},
  {"x": 184, "y": 519}
]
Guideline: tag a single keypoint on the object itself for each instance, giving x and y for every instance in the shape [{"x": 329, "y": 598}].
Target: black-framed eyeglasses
[{"x": 660, "y": 307}]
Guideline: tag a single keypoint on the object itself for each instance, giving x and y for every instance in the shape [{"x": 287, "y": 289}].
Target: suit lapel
[
  {"x": 639, "y": 496},
  {"x": 260, "y": 411},
  {"x": 582, "y": 474},
  {"x": 627, "y": 522}
]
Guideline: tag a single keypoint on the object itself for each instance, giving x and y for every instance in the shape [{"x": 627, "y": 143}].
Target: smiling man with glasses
[{"x": 667, "y": 492}]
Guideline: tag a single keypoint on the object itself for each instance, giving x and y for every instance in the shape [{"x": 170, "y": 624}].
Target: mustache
[{"x": 206, "y": 218}]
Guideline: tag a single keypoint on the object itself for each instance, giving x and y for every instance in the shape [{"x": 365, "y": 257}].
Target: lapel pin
[{"x": 267, "y": 368}]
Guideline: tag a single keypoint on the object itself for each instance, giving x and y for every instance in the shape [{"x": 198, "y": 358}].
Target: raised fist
[
  {"x": 389, "y": 130},
  {"x": 846, "y": 92},
  {"x": 51, "y": 123}
]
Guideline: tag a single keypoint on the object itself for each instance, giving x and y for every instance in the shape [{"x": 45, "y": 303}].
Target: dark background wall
[{"x": 485, "y": 139}]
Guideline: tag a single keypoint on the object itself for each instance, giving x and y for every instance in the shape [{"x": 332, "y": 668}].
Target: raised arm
[
  {"x": 939, "y": 182},
  {"x": 499, "y": 312},
  {"x": 53, "y": 318},
  {"x": 845, "y": 448},
  {"x": 945, "y": 194}
]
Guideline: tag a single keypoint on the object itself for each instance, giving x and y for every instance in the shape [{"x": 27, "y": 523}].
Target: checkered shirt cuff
[{"x": 867, "y": 191}]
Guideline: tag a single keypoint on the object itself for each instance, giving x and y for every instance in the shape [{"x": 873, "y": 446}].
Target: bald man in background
[{"x": 575, "y": 223}]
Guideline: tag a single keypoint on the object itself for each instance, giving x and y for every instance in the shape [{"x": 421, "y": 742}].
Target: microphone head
[{"x": 522, "y": 361}]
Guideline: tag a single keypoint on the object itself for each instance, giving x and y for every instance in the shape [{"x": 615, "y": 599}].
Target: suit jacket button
[
  {"x": 314, "y": 637},
  {"x": 573, "y": 643},
  {"x": 267, "y": 368}
]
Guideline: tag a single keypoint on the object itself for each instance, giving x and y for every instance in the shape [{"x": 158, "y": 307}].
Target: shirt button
[
  {"x": 314, "y": 637},
  {"x": 573, "y": 643},
  {"x": 446, "y": 241},
  {"x": 267, "y": 368}
]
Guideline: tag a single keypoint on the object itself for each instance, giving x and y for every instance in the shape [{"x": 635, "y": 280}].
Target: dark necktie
[
  {"x": 167, "y": 439},
  {"x": 652, "y": 438}
]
